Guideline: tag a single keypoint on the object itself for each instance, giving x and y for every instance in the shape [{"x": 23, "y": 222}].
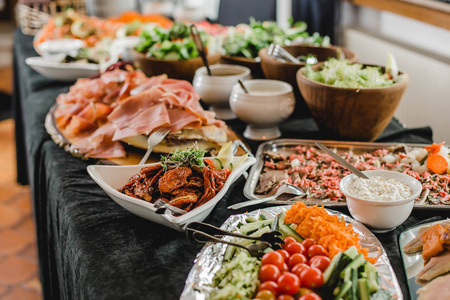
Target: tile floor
[
  {"x": 18, "y": 259},
  {"x": 19, "y": 278}
]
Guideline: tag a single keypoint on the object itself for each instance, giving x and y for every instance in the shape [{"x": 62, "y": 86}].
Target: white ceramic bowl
[
  {"x": 110, "y": 178},
  {"x": 268, "y": 103},
  {"x": 215, "y": 90},
  {"x": 381, "y": 215}
]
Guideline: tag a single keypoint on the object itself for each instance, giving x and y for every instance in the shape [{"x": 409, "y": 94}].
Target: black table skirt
[{"x": 91, "y": 248}]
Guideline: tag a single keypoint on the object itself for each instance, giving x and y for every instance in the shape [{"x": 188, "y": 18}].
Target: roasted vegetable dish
[{"x": 184, "y": 180}]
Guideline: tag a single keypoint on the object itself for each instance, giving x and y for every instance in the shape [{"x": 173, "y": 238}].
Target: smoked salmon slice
[{"x": 432, "y": 242}]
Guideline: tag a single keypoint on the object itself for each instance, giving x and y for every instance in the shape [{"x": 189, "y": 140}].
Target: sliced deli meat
[{"x": 97, "y": 114}]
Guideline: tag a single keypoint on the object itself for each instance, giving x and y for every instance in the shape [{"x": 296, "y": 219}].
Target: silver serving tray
[
  {"x": 209, "y": 259},
  {"x": 289, "y": 144}
]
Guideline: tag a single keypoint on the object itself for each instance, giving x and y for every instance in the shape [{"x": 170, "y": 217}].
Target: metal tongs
[
  {"x": 277, "y": 51},
  {"x": 204, "y": 233}
]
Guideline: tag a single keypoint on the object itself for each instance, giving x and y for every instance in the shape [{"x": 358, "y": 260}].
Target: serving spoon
[
  {"x": 283, "y": 189},
  {"x": 200, "y": 47},
  {"x": 342, "y": 161}
]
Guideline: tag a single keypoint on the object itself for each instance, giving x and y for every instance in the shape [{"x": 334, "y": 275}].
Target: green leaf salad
[
  {"x": 174, "y": 43},
  {"x": 246, "y": 40},
  {"x": 342, "y": 73}
]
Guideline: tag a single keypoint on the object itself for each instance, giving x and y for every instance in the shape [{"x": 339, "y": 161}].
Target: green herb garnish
[{"x": 184, "y": 158}]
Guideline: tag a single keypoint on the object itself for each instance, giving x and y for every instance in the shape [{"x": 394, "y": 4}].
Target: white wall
[{"x": 421, "y": 50}]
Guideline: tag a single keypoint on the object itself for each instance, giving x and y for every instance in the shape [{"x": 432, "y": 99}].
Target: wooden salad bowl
[
  {"x": 177, "y": 69},
  {"x": 286, "y": 71},
  {"x": 353, "y": 114}
]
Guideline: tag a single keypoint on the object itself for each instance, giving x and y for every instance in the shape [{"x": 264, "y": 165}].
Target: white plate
[
  {"x": 209, "y": 260},
  {"x": 54, "y": 69},
  {"x": 110, "y": 178}
]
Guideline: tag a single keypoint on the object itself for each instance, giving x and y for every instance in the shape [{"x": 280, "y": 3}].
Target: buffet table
[{"x": 91, "y": 248}]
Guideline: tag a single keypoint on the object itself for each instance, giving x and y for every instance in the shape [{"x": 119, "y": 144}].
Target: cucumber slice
[
  {"x": 246, "y": 242},
  {"x": 275, "y": 223},
  {"x": 351, "y": 252},
  {"x": 355, "y": 264},
  {"x": 363, "y": 289},
  {"x": 288, "y": 231},
  {"x": 246, "y": 229},
  {"x": 229, "y": 253},
  {"x": 218, "y": 164},
  {"x": 344, "y": 289},
  {"x": 251, "y": 220}
]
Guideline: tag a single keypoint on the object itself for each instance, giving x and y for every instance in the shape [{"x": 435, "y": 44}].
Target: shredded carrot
[
  {"x": 436, "y": 163},
  {"x": 434, "y": 148},
  {"x": 327, "y": 230}
]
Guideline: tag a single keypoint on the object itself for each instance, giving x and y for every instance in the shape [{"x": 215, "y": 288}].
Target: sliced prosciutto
[
  {"x": 97, "y": 113},
  {"x": 183, "y": 110}
]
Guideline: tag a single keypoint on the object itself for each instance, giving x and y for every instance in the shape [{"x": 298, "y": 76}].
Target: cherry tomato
[
  {"x": 285, "y": 268},
  {"x": 295, "y": 259},
  {"x": 288, "y": 283},
  {"x": 315, "y": 250},
  {"x": 269, "y": 286},
  {"x": 265, "y": 295},
  {"x": 227, "y": 172},
  {"x": 311, "y": 278},
  {"x": 303, "y": 291},
  {"x": 273, "y": 258},
  {"x": 294, "y": 247},
  {"x": 311, "y": 296},
  {"x": 298, "y": 268},
  {"x": 321, "y": 262},
  {"x": 287, "y": 241},
  {"x": 308, "y": 243},
  {"x": 269, "y": 272},
  {"x": 285, "y": 297},
  {"x": 284, "y": 253}
]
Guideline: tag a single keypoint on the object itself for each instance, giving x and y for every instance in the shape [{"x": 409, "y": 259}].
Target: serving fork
[
  {"x": 213, "y": 233},
  {"x": 154, "y": 139}
]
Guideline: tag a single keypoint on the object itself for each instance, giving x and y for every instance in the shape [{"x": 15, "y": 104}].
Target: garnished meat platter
[
  {"x": 134, "y": 154},
  {"x": 301, "y": 163}
]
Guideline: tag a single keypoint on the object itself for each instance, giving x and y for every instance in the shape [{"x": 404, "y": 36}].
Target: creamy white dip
[{"x": 378, "y": 188}]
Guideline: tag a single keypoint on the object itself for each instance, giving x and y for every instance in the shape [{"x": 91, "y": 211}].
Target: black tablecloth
[{"x": 91, "y": 248}]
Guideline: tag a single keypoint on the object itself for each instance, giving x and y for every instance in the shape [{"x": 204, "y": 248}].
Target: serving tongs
[{"x": 204, "y": 233}]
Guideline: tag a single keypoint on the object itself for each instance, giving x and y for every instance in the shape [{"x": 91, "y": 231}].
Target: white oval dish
[
  {"x": 60, "y": 46},
  {"x": 110, "y": 178},
  {"x": 54, "y": 69},
  {"x": 381, "y": 215}
]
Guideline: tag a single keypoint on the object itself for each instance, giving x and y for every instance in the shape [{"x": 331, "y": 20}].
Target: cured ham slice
[
  {"x": 100, "y": 144},
  {"x": 144, "y": 122},
  {"x": 180, "y": 118},
  {"x": 437, "y": 289}
]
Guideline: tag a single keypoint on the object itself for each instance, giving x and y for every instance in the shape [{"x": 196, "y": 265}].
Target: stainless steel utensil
[
  {"x": 154, "y": 139},
  {"x": 161, "y": 204},
  {"x": 255, "y": 250},
  {"x": 342, "y": 161},
  {"x": 278, "y": 52},
  {"x": 271, "y": 237},
  {"x": 283, "y": 189},
  {"x": 200, "y": 47}
]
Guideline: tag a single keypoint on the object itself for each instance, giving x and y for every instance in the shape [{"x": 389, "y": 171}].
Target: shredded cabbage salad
[{"x": 342, "y": 73}]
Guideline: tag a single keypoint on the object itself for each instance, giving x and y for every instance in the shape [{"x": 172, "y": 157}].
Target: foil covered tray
[
  {"x": 209, "y": 260},
  {"x": 412, "y": 263},
  {"x": 288, "y": 145}
]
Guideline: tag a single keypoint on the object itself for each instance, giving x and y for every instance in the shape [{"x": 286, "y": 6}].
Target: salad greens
[
  {"x": 246, "y": 40},
  {"x": 191, "y": 157},
  {"x": 171, "y": 44},
  {"x": 342, "y": 73}
]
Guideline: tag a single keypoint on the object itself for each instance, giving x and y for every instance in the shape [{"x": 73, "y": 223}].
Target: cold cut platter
[{"x": 299, "y": 162}]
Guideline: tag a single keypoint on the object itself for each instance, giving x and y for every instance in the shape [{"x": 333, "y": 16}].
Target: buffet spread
[{"x": 314, "y": 252}]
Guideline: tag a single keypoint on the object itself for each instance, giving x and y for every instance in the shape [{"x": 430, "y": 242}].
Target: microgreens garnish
[{"x": 188, "y": 158}]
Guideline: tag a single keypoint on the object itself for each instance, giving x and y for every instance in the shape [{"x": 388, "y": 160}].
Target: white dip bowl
[
  {"x": 381, "y": 215},
  {"x": 268, "y": 103},
  {"x": 215, "y": 90}
]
